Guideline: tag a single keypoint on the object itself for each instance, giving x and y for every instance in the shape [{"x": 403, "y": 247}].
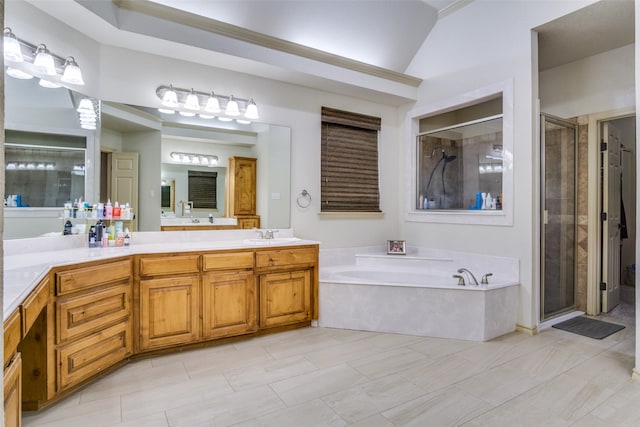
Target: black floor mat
[{"x": 588, "y": 327}]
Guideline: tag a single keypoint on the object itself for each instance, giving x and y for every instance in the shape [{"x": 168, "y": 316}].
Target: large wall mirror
[{"x": 154, "y": 137}]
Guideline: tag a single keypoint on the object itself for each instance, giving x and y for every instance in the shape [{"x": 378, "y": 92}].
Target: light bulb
[
  {"x": 170, "y": 98},
  {"x": 192, "y": 102},
  {"x": 18, "y": 74},
  {"x": 213, "y": 105},
  {"x": 72, "y": 73},
  {"x": 85, "y": 106},
  {"x": 48, "y": 84},
  {"x": 12, "y": 48},
  {"x": 252, "y": 110},
  {"x": 232, "y": 107},
  {"x": 44, "y": 61}
]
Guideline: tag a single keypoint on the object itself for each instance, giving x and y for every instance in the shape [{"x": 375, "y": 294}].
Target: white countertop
[{"x": 27, "y": 261}]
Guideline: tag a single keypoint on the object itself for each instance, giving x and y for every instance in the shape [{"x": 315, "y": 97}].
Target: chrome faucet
[
  {"x": 485, "y": 278},
  {"x": 265, "y": 234},
  {"x": 460, "y": 279},
  {"x": 472, "y": 278},
  {"x": 268, "y": 234}
]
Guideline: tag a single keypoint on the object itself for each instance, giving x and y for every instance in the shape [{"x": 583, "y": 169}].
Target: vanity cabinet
[
  {"x": 12, "y": 371},
  {"x": 82, "y": 320},
  {"x": 287, "y": 280},
  {"x": 228, "y": 294},
  {"x": 93, "y": 320},
  {"x": 248, "y": 222},
  {"x": 169, "y": 294}
]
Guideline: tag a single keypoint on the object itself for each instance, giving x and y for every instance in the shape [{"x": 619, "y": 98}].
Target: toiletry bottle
[
  {"x": 92, "y": 237},
  {"x": 99, "y": 232},
  {"x": 67, "y": 228},
  {"x": 127, "y": 238},
  {"x": 108, "y": 209},
  {"x": 421, "y": 202},
  {"x": 211, "y": 218},
  {"x": 126, "y": 212},
  {"x": 116, "y": 210}
]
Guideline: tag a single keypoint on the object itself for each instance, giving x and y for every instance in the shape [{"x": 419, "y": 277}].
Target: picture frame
[{"x": 396, "y": 247}]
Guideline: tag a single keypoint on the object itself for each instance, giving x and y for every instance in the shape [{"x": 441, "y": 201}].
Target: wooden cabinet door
[
  {"x": 285, "y": 298},
  {"x": 228, "y": 304},
  {"x": 13, "y": 393},
  {"x": 168, "y": 311},
  {"x": 242, "y": 185}
]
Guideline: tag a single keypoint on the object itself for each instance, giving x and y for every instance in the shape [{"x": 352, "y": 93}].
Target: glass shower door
[{"x": 558, "y": 228}]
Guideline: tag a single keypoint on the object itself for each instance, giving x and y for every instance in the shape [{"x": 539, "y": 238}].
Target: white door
[
  {"x": 611, "y": 203},
  {"x": 124, "y": 181}
]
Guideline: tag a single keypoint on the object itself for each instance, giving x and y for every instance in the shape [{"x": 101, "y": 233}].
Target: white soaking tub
[{"x": 418, "y": 295}]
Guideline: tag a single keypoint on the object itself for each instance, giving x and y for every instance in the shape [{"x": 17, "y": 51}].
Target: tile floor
[{"x": 331, "y": 377}]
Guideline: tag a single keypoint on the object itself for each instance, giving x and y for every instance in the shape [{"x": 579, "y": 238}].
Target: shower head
[{"x": 446, "y": 158}]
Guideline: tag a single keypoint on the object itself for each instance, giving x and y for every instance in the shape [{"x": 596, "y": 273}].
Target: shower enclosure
[
  {"x": 457, "y": 163},
  {"x": 559, "y": 225}
]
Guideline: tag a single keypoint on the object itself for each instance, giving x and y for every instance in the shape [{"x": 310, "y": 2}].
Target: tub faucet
[{"x": 472, "y": 278}]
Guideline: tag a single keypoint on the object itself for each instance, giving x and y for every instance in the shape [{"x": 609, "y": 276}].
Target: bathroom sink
[{"x": 270, "y": 242}]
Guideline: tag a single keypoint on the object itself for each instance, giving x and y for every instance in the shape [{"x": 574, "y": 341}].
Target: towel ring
[{"x": 304, "y": 199}]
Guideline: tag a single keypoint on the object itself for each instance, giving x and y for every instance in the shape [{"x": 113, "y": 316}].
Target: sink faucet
[{"x": 471, "y": 277}]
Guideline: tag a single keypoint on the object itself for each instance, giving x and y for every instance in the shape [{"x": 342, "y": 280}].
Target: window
[
  {"x": 461, "y": 159},
  {"x": 459, "y": 163},
  {"x": 349, "y": 170},
  {"x": 202, "y": 189}
]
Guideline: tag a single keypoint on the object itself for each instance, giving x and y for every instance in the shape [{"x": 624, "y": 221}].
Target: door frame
[
  {"x": 594, "y": 225},
  {"x": 542, "y": 208}
]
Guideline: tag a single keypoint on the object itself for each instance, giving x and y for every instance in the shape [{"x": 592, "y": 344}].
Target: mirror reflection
[{"x": 161, "y": 182}]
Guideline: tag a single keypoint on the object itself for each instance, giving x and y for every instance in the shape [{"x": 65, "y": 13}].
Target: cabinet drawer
[
  {"x": 169, "y": 265},
  {"x": 286, "y": 257},
  {"x": 228, "y": 260},
  {"x": 83, "y": 278},
  {"x": 79, "y": 314},
  {"x": 34, "y": 303},
  {"x": 12, "y": 336},
  {"x": 86, "y": 357}
]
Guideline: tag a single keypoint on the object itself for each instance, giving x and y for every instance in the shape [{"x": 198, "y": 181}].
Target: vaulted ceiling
[
  {"x": 356, "y": 47},
  {"x": 360, "y": 47}
]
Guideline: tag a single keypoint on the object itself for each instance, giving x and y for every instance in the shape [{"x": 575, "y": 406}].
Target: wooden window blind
[
  {"x": 202, "y": 189},
  {"x": 349, "y": 170}
]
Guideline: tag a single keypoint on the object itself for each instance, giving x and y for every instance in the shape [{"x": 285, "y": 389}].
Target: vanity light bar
[
  {"x": 189, "y": 102},
  {"x": 30, "y": 166},
  {"x": 25, "y": 61},
  {"x": 195, "y": 159}
]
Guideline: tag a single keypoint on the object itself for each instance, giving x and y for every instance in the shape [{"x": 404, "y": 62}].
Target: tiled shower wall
[{"x": 582, "y": 214}]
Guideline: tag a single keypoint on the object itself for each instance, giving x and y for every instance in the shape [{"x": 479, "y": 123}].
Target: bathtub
[{"x": 418, "y": 295}]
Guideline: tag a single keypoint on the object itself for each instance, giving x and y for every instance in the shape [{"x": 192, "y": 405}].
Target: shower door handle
[{"x": 545, "y": 217}]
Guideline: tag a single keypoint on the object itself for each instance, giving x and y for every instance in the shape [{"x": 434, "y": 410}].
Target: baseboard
[{"x": 526, "y": 330}]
